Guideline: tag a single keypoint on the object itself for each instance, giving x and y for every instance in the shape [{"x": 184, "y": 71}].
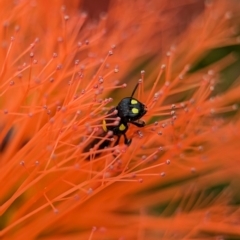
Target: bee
[{"x": 129, "y": 111}]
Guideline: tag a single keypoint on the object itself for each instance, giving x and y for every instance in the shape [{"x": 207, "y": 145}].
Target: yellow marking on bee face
[
  {"x": 133, "y": 101},
  {"x": 104, "y": 126},
  {"x": 135, "y": 110},
  {"x": 122, "y": 127}
]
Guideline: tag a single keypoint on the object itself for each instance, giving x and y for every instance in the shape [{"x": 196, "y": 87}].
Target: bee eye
[
  {"x": 135, "y": 110},
  {"x": 134, "y": 101}
]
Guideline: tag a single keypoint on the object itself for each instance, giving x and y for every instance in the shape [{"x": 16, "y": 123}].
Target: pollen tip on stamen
[
  {"x": 162, "y": 174},
  {"x": 110, "y": 133}
]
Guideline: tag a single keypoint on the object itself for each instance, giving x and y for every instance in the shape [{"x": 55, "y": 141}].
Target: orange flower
[{"x": 60, "y": 74}]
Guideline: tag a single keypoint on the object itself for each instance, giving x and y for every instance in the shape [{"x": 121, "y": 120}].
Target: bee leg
[
  {"x": 126, "y": 140},
  {"x": 138, "y": 124},
  {"x": 118, "y": 139}
]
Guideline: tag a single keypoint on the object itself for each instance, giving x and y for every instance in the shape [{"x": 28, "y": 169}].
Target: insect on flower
[{"x": 128, "y": 110}]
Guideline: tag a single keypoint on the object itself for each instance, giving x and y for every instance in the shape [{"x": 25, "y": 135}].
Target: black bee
[{"x": 128, "y": 110}]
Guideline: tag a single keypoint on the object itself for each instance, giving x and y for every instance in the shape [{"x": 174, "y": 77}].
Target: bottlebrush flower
[{"x": 61, "y": 73}]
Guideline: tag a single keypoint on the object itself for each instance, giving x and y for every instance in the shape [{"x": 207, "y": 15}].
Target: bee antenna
[{"x": 134, "y": 90}]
